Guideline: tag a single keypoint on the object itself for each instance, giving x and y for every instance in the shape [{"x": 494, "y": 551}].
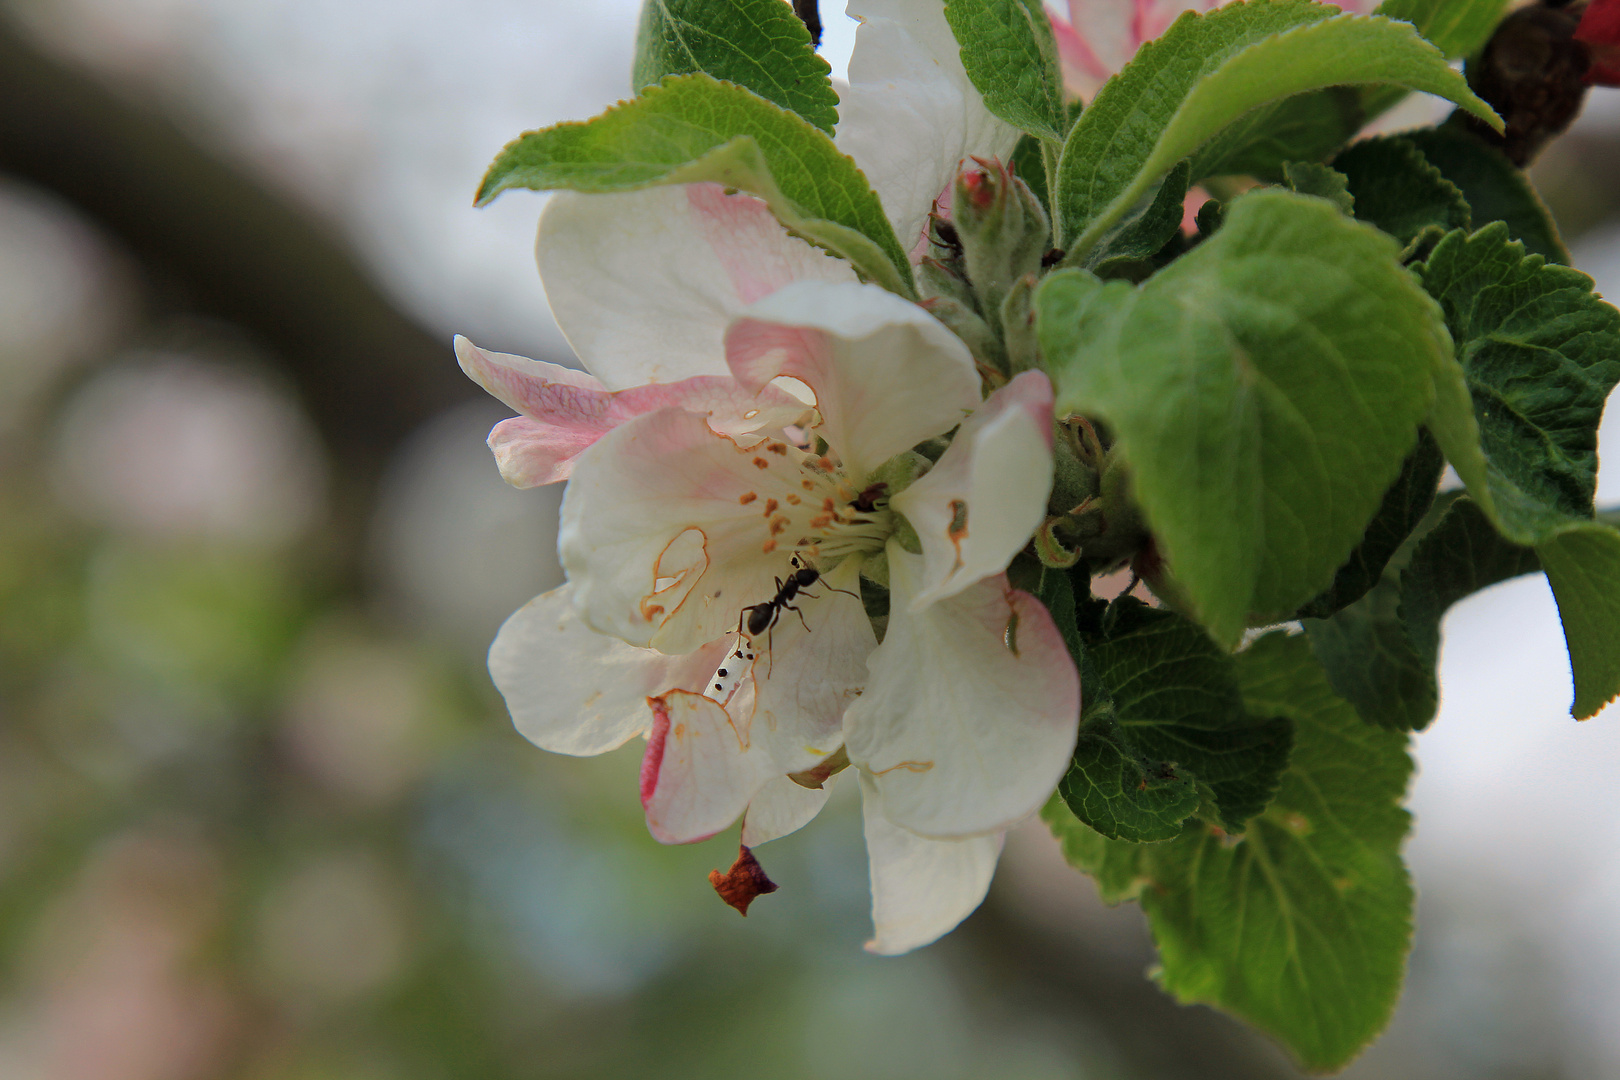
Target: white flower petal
[
  {"x": 666, "y": 526},
  {"x": 961, "y": 734},
  {"x": 643, "y": 283},
  {"x": 911, "y": 115},
  {"x": 807, "y": 673},
  {"x": 978, "y": 507},
  {"x": 782, "y": 807},
  {"x": 699, "y": 773},
  {"x": 566, "y": 411},
  {"x": 571, "y": 690},
  {"x": 886, "y": 374},
  {"x": 921, "y": 888}
]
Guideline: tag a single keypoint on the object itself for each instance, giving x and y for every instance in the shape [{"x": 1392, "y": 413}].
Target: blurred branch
[
  {"x": 367, "y": 373},
  {"x": 1152, "y": 1035}
]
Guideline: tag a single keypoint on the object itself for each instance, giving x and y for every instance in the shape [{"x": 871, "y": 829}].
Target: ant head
[{"x": 805, "y": 576}]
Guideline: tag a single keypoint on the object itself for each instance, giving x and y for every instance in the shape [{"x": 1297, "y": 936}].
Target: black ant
[
  {"x": 761, "y": 618},
  {"x": 865, "y": 502}
]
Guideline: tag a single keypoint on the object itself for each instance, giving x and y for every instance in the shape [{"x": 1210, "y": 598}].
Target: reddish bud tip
[{"x": 980, "y": 191}]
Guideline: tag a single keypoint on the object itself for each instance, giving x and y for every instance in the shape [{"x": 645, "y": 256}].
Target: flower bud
[
  {"x": 975, "y": 333},
  {"x": 1018, "y": 337},
  {"x": 1002, "y": 229}
]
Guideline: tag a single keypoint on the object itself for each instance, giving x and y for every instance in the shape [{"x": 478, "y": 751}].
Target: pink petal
[
  {"x": 699, "y": 773},
  {"x": 565, "y": 411},
  {"x": 886, "y": 374}
]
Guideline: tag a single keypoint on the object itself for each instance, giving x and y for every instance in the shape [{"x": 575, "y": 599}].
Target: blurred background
[{"x": 262, "y": 816}]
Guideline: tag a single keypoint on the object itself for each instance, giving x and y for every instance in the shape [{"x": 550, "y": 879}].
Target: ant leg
[{"x": 800, "y": 614}]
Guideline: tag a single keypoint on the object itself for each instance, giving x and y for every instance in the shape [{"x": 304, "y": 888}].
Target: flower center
[{"x": 810, "y": 508}]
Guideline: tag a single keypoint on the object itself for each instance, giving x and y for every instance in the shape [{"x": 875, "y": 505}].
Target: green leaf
[
  {"x": 1583, "y": 566},
  {"x": 692, "y": 128},
  {"x": 1405, "y": 504},
  {"x": 1207, "y": 71},
  {"x": 1144, "y": 232},
  {"x": 1121, "y": 794},
  {"x": 1011, "y": 56},
  {"x": 758, "y": 44},
  {"x": 1539, "y": 353},
  {"x": 1457, "y": 28},
  {"x": 1028, "y": 165},
  {"x": 1264, "y": 390},
  {"x": 1163, "y": 721},
  {"x": 1398, "y": 190},
  {"x": 1380, "y": 652},
  {"x": 1310, "y": 178},
  {"x": 1494, "y": 188},
  {"x": 1302, "y": 926},
  {"x": 1305, "y": 127}
]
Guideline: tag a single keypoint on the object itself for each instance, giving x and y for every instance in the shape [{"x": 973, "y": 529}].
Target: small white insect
[{"x": 732, "y": 669}]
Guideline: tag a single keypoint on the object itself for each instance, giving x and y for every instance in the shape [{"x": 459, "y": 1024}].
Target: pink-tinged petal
[
  {"x": 643, "y": 283},
  {"x": 910, "y": 115},
  {"x": 886, "y": 374},
  {"x": 1084, "y": 71},
  {"x": 531, "y": 387},
  {"x": 531, "y": 454},
  {"x": 565, "y": 411},
  {"x": 978, "y": 507},
  {"x": 781, "y": 807},
  {"x": 571, "y": 690},
  {"x": 921, "y": 888},
  {"x": 1101, "y": 36},
  {"x": 669, "y": 530},
  {"x": 807, "y": 673},
  {"x": 971, "y": 712},
  {"x": 699, "y": 773}
]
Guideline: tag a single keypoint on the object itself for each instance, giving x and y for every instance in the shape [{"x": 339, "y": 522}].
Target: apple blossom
[{"x": 748, "y": 409}]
